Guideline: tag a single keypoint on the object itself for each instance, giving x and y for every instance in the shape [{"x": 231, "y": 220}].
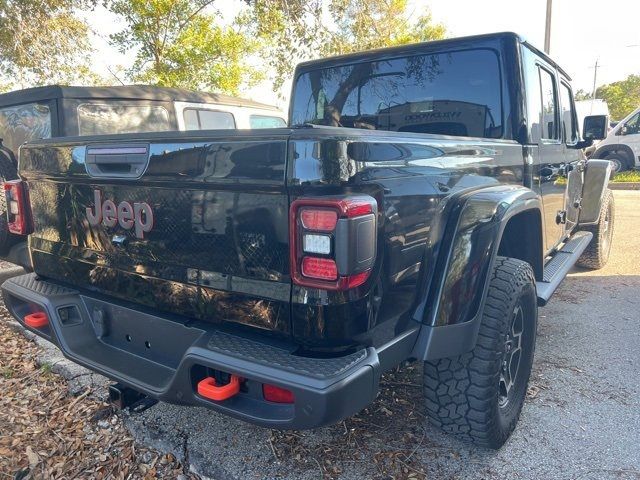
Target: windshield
[
  {"x": 453, "y": 93},
  {"x": 102, "y": 118}
]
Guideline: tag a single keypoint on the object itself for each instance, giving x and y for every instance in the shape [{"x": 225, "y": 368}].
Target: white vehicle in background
[
  {"x": 622, "y": 145},
  {"x": 244, "y": 114}
]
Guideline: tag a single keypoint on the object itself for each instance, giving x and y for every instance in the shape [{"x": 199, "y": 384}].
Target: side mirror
[
  {"x": 624, "y": 130},
  {"x": 595, "y": 127}
]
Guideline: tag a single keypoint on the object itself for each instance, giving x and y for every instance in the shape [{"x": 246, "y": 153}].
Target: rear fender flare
[{"x": 452, "y": 318}]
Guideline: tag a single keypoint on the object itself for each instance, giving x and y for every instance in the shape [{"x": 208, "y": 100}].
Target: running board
[{"x": 557, "y": 268}]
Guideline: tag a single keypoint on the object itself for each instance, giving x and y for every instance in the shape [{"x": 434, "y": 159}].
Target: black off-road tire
[
  {"x": 597, "y": 253},
  {"x": 465, "y": 395}
]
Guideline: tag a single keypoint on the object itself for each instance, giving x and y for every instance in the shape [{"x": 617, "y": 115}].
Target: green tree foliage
[
  {"x": 582, "y": 95},
  {"x": 622, "y": 97},
  {"x": 178, "y": 43},
  {"x": 43, "y": 42},
  {"x": 294, "y": 30},
  {"x": 368, "y": 24}
]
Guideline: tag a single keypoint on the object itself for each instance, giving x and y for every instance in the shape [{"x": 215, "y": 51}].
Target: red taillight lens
[
  {"x": 276, "y": 394},
  {"x": 332, "y": 241},
  {"x": 355, "y": 208},
  {"x": 320, "y": 268},
  {"x": 353, "y": 281},
  {"x": 18, "y": 208},
  {"x": 319, "y": 220}
]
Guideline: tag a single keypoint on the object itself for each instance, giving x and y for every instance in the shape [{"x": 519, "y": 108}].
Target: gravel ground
[{"x": 581, "y": 419}]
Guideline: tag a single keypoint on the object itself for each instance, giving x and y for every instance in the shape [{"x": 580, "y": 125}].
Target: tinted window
[
  {"x": 202, "y": 119},
  {"x": 569, "y": 121},
  {"x": 454, "y": 93},
  {"x": 549, "y": 105},
  {"x": 22, "y": 123},
  {"x": 265, "y": 121},
  {"x": 101, "y": 119}
]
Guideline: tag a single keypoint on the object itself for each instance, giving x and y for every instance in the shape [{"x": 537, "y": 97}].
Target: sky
[{"x": 582, "y": 32}]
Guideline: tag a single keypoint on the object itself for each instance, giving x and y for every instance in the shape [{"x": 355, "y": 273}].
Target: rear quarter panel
[{"x": 415, "y": 179}]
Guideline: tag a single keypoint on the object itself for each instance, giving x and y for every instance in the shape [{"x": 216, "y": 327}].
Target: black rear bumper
[{"x": 165, "y": 357}]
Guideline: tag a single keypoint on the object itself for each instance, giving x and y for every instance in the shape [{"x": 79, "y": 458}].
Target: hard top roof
[
  {"x": 427, "y": 46},
  {"x": 124, "y": 92}
]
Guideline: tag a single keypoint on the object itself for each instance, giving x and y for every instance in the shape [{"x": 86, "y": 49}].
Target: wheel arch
[
  {"x": 491, "y": 221},
  {"x": 525, "y": 224},
  {"x": 619, "y": 148}
]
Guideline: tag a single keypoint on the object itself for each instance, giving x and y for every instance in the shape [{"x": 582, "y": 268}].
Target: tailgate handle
[
  {"x": 117, "y": 161},
  {"x": 208, "y": 388}
]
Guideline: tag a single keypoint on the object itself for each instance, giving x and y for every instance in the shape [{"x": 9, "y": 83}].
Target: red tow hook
[
  {"x": 208, "y": 388},
  {"x": 36, "y": 320}
]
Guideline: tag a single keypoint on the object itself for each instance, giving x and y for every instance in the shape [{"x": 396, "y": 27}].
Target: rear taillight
[
  {"x": 333, "y": 241},
  {"x": 18, "y": 208}
]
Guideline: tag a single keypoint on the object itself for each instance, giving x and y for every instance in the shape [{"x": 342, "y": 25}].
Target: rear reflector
[
  {"x": 36, "y": 320},
  {"x": 319, "y": 220},
  {"x": 276, "y": 394},
  {"x": 320, "y": 268}
]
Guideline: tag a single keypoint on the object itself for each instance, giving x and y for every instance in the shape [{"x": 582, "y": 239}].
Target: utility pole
[
  {"x": 595, "y": 76},
  {"x": 547, "y": 28}
]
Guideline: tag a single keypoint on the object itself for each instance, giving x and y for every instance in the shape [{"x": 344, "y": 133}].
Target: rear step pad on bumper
[
  {"x": 557, "y": 268},
  {"x": 166, "y": 358}
]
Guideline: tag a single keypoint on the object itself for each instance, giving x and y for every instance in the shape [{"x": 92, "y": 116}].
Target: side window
[
  {"x": 633, "y": 125},
  {"x": 569, "y": 122},
  {"x": 203, "y": 119},
  {"x": 549, "y": 120}
]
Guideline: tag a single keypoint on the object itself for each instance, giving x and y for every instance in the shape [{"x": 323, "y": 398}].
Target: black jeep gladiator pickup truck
[{"x": 424, "y": 201}]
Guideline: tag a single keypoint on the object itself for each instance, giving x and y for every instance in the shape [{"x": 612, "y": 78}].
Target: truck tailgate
[{"x": 196, "y": 227}]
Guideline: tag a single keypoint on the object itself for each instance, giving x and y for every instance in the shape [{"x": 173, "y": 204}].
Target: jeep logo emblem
[{"x": 138, "y": 216}]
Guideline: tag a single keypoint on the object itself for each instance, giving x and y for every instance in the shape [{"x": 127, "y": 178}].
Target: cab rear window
[{"x": 453, "y": 93}]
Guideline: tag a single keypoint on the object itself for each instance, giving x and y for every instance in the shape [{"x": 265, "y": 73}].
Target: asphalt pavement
[{"x": 581, "y": 419}]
